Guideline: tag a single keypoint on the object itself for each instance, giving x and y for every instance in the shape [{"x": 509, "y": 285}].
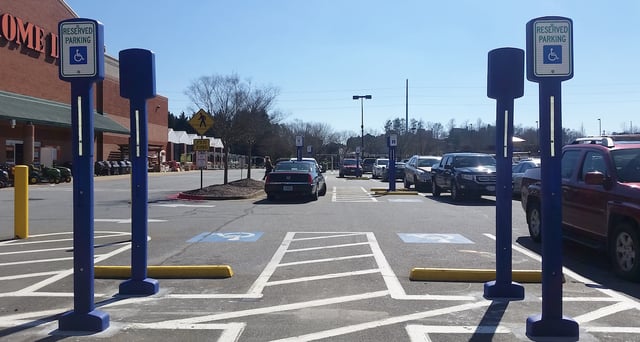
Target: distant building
[{"x": 35, "y": 115}]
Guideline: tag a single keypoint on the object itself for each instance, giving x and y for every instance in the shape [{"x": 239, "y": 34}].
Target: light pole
[
  {"x": 599, "y": 126},
  {"x": 361, "y": 98}
]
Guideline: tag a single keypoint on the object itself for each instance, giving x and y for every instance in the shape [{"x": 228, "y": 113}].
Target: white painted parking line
[
  {"x": 346, "y": 194},
  {"x": 328, "y": 334},
  {"x": 327, "y": 247},
  {"x": 603, "y": 312},
  {"x": 230, "y": 331},
  {"x": 322, "y": 277},
  {"x": 420, "y": 333},
  {"x": 294, "y": 263}
]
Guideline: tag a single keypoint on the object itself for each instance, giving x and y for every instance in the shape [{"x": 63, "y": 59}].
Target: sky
[{"x": 318, "y": 54}]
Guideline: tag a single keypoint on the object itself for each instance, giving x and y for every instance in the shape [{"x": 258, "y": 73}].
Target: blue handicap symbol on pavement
[
  {"x": 78, "y": 54},
  {"x": 552, "y": 54},
  {"x": 433, "y": 238},
  {"x": 227, "y": 237}
]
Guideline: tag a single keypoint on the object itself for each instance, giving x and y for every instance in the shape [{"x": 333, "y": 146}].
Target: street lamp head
[{"x": 358, "y": 97}]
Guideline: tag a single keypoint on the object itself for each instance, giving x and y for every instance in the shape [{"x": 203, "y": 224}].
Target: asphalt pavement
[{"x": 336, "y": 269}]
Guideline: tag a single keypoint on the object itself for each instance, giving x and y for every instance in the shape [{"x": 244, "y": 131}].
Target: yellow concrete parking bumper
[
  {"x": 385, "y": 191},
  {"x": 166, "y": 272},
  {"x": 472, "y": 275}
]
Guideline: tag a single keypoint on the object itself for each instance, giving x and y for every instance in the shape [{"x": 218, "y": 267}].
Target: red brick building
[{"x": 35, "y": 115}]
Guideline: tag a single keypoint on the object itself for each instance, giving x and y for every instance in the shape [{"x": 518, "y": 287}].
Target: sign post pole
[
  {"x": 299, "y": 144},
  {"x": 81, "y": 64},
  {"x": 137, "y": 83},
  {"x": 549, "y": 62},
  {"x": 505, "y": 82},
  {"x": 392, "y": 142}
]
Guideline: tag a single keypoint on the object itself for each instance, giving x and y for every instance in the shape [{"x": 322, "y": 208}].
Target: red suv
[{"x": 600, "y": 198}]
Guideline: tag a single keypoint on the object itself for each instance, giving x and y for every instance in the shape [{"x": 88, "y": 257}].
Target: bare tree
[{"x": 233, "y": 103}]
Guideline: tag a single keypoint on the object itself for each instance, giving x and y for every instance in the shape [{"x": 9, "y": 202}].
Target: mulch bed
[{"x": 244, "y": 188}]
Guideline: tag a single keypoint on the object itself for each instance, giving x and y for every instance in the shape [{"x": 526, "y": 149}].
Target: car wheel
[
  {"x": 314, "y": 195},
  {"x": 68, "y": 179},
  {"x": 34, "y": 179},
  {"x": 624, "y": 251},
  {"x": 271, "y": 197},
  {"x": 56, "y": 180},
  {"x": 340, "y": 175},
  {"x": 323, "y": 191},
  {"x": 435, "y": 190},
  {"x": 407, "y": 185},
  {"x": 456, "y": 195},
  {"x": 534, "y": 221}
]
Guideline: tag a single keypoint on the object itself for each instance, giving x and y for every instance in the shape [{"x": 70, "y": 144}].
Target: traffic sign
[
  {"x": 201, "y": 121},
  {"x": 201, "y": 144},
  {"x": 550, "y": 48},
  {"x": 80, "y": 49}
]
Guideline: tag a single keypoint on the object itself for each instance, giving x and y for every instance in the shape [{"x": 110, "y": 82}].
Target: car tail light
[{"x": 309, "y": 179}]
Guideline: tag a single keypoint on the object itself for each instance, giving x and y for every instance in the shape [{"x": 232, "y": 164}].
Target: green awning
[{"x": 49, "y": 113}]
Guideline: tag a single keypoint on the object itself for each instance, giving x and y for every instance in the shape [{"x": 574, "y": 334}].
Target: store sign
[{"x": 34, "y": 37}]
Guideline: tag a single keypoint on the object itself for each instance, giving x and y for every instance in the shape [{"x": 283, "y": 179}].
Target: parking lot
[{"x": 332, "y": 270}]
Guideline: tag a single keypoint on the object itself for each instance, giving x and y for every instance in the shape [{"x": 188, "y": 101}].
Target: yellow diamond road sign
[{"x": 201, "y": 121}]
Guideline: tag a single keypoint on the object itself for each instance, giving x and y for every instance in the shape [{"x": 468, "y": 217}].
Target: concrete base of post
[
  {"x": 559, "y": 329},
  {"x": 94, "y": 321},
  {"x": 510, "y": 291},
  {"x": 145, "y": 287}
]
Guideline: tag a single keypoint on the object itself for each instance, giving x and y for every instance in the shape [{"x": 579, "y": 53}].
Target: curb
[
  {"x": 186, "y": 196},
  {"x": 166, "y": 272},
  {"x": 472, "y": 275}
]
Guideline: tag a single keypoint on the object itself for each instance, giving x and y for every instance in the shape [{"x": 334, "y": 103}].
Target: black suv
[{"x": 464, "y": 174}]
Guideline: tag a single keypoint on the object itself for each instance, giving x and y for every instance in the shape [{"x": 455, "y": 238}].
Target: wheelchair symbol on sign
[
  {"x": 552, "y": 54},
  {"x": 78, "y": 54},
  {"x": 552, "y": 57},
  {"x": 78, "y": 57}
]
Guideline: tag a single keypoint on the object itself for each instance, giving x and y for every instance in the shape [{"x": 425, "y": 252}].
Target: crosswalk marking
[{"x": 352, "y": 194}]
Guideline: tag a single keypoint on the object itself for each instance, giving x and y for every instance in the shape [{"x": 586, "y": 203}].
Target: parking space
[{"x": 324, "y": 270}]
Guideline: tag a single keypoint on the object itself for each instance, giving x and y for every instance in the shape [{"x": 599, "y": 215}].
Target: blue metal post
[
  {"x": 137, "y": 83},
  {"x": 505, "y": 83},
  {"x": 391, "y": 170},
  {"x": 83, "y": 317},
  {"x": 551, "y": 322},
  {"x": 82, "y": 63}
]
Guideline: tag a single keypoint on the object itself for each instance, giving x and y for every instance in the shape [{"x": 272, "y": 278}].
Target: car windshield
[
  {"x": 472, "y": 161},
  {"x": 427, "y": 162},
  {"x": 382, "y": 162},
  {"x": 627, "y": 164},
  {"x": 349, "y": 162},
  {"x": 294, "y": 166}
]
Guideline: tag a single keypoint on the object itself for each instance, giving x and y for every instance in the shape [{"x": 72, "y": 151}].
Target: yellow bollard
[{"x": 21, "y": 201}]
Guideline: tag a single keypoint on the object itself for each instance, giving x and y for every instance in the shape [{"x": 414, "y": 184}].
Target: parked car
[
  {"x": 465, "y": 175},
  {"x": 378, "y": 167},
  {"x": 600, "y": 199},
  {"x": 4, "y": 178},
  {"x": 518, "y": 170},
  {"x": 349, "y": 167},
  {"x": 367, "y": 165},
  {"x": 309, "y": 159},
  {"x": 399, "y": 172},
  {"x": 295, "y": 178},
  {"x": 417, "y": 171}
]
